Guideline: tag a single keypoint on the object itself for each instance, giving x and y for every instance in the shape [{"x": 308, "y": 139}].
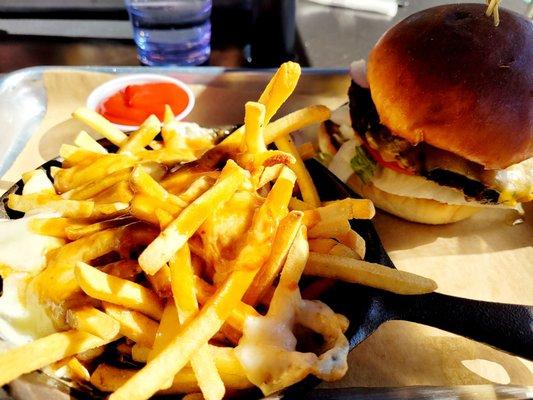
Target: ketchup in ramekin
[{"x": 133, "y": 104}]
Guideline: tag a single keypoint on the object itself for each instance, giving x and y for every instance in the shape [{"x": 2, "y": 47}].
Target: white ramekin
[{"x": 111, "y": 87}]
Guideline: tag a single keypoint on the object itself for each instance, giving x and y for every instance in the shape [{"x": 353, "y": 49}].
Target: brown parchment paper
[{"x": 482, "y": 258}]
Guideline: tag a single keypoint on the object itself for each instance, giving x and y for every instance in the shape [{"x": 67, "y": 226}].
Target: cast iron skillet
[{"x": 504, "y": 326}]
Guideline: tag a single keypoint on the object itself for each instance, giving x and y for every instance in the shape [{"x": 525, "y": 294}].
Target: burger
[{"x": 439, "y": 124}]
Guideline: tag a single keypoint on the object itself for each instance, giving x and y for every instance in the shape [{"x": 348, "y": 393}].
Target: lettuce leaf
[{"x": 363, "y": 165}]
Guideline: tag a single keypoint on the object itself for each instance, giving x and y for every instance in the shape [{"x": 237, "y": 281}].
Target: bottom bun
[{"x": 425, "y": 211}]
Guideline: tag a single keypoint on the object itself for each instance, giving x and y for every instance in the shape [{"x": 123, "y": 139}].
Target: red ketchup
[{"x": 135, "y": 103}]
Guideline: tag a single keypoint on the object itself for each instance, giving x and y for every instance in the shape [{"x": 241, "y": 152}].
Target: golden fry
[
  {"x": 322, "y": 245},
  {"x": 108, "y": 379},
  {"x": 285, "y": 235},
  {"x": 93, "y": 188},
  {"x": 344, "y": 251},
  {"x": 277, "y": 91},
  {"x": 142, "y": 137},
  {"x": 182, "y": 279},
  {"x": 179, "y": 181},
  {"x": 254, "y": 119},
  {"x": 299, "y": 205},
  {"x": 67, "y": 208},
  {"x": 42, "y": 352},
  {"x": 280, "y": 88},
  {"x": 304, "y": 180},
  {"x": 134, "y": 325},
  {"x": 57, "y": 281},
  {"x": 71, "y": 178},
  {"x": 89, "y": 319},
  {"x": 236, "y": 319},
  {"x": 160, "y": 282},
  {"x": 120, "y": 193},
  {"x": 115, "y": 290},
  {"x": 78, "y": 370},
  {"x": 100, "y": 125},
  {"x": 56, "y": 227},
  {"x": 77, "y": 231},
  {"x": 169, "y": 327},
  {"x": 73, "y": 155},
  {"x": 144, "y": 183},
  {"x": 330, "y": 228},
  {"x": 369, "y": 274},
  {"x": 139, "y": 352},
  {"x": 295, "y": 121},
  {"x": 347, "y": 209},
  {"x": 85, "y": 141},
  {"x": 354, "y": 241}
]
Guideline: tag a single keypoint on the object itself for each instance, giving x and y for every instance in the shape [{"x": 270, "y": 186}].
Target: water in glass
[{"x": 171, "y": 32}]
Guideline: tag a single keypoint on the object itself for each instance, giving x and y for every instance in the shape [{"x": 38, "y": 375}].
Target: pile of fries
[{"x": 191, "y": 271}]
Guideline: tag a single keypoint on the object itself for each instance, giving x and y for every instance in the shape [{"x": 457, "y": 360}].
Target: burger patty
[{"x": 440, "y": 166}]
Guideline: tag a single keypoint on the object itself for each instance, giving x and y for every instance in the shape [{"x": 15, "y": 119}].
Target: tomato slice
[{"x": 376, "y": 155}]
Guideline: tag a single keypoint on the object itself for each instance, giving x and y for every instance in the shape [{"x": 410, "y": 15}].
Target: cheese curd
[{"x": 267, "y": 347}]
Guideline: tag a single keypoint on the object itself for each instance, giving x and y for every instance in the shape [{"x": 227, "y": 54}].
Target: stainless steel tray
[
  {"x": 23, "y": 102},
  {"x": 23, "y": 95}
]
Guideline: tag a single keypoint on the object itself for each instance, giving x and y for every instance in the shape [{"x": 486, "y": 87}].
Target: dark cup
[{"x": 273, "y": 32}]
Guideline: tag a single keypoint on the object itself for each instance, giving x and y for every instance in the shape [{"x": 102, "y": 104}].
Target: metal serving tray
[{"x": 23, "y": 102}]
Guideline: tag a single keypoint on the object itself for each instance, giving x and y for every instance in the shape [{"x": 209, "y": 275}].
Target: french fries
[
  {"x": 67, "y": 208},
  {"x": 285, "y": 235},
  {"x": 78, "y": 370},
  {"x": 182, "y": 279},
  {"x": 58, "y": 282},
  {"x": 330, "y": 228},
  {"x": 115, "y": 290},
  {"x": 85, "y": 141},
  {"x": 174, "y": 264},
  {"x": 253, "y": 123},
  {"x": 45, "y": 351},
  {"x": 181, "y": 229},
  {"x": 142, "y": 137},
  {"x": 134, "y": 325},
  {"x": 70, "y": 178},
  {"x": 192, "y": 337},
  {"x": 91, "y": 189},
  {"x": 91, "y": 320},
  {"x": 370, "y": 274},
  {"x": 295, "y": 121},
  {"x": 100, "y": 125},
  {"x": 305, "y": 183},
  {"x": 341, "y": 209}
]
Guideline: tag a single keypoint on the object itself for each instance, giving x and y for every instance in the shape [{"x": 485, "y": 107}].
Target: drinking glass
[{"x": 171, "y": 32}]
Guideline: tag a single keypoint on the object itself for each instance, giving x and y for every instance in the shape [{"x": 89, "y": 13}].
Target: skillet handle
[{"x": 507, "y": 327}]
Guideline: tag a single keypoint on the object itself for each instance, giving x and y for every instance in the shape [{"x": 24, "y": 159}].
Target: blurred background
[{"x": 244, "y": 33}]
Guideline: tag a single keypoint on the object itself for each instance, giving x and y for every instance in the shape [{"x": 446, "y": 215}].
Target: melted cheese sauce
[
  {"x": 222, "y": 230},
  {"x": 22, "y": 256},
  {"x": 267, "y": 348},
  {"x": 515, "y": 183},
  {"x": 21, "y": 249}
]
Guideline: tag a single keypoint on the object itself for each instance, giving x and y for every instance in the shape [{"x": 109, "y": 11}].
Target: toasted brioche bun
[
  {"x": 424, "y": 211},
  {"x": 448, "y": 77}
]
